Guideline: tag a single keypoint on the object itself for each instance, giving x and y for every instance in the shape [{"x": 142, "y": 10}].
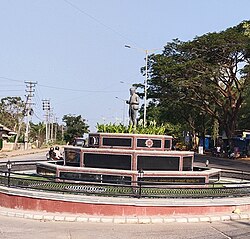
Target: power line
[
  {"x": 37, "y": 117},
  {"x": 77, "y": 90},
  {"x": 6, "y": 78},
  {"x": 60, "y": 88},
  {"x": 98, "y": 21},
  {"x": 39, "y": 94},
  {"x": 37, "y": 109},
  {"x": 3, "y": 85},
  {"x": 10, "y": 90}
]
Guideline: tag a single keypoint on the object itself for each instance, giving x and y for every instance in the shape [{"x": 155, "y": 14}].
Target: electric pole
[
  {"x": 51, "y": 117},
  {"x": 56, "y": 124},
  {"x": 30, "y": 89},
  {"x": 62, "y": 133},
  {"x": 46, "y": 108}
]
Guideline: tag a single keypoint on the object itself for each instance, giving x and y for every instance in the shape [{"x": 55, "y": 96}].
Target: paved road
[
  {"x": 199, "y": 160},
  {"x": 223, "y": 163},
  {"x": 242, "y": 165},
  {"x": 35, "y": 156},
  {"x": 28, "y": 229}
]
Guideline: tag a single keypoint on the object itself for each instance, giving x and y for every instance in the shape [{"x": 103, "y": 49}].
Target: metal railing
[{"x": 122, "y": 188}]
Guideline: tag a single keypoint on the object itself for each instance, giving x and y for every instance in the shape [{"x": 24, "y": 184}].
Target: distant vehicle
[
  {"x": 54, "y": 154},
  {"x": 80, "y": 142}
]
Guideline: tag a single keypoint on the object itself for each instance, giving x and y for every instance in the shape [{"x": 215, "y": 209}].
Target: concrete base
[{"x": 105, "y": 206}]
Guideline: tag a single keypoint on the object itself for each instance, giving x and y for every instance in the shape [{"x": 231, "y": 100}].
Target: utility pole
[
  {"x": 30, "y": 89},
  {"x": 46, "y": 108},
  {"x": 56, "y": 123},
  {"x": 51, "y": 117},
  {"x": 124, "y": 109},
  {"x": 145, "y": 90},
  {"x": 62, "y": 132}
]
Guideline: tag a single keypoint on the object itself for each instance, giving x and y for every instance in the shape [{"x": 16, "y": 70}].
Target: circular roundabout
[
  {"x": 99, "y": 181},
  {"x": 27, "y": 190}
]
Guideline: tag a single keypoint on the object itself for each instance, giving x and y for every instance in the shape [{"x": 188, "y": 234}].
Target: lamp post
[
  {"x": 146, "y": 51},
  {"x": 124, "y": 107},
  {"x": 9, "y": 166},
  {"x": 140, "y": 172},
  {"x": 123, "y": 82}
]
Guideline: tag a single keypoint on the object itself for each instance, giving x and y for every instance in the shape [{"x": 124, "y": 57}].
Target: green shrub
[{"x": 151, "y": 128}]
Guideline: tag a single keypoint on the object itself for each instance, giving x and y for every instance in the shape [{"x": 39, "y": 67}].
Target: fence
[{"x": 117, "y": 189}]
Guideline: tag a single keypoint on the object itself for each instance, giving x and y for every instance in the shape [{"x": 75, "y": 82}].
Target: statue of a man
[{"x": 133, "y": 106}]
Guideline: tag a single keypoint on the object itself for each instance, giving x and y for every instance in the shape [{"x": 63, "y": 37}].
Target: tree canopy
[
  {"x": 75, "y": 127},
  {"x": 12, "y": 111},
  {"x": 205, "y": 78}
]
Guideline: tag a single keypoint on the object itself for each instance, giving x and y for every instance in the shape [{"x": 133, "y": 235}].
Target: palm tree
[{"x": 37, "y": 133}]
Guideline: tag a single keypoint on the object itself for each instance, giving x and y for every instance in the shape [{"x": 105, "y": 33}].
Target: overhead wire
[
  {"x": 37, "y": 106},
  {"x": 79, "y": 90},
  {"x": 99, "y": 22},
  {"x": 3, "y": 85},
  {"x": 69, "y": 89},
  {"x": 9, "y": 90},
  {"x": 62, "y": 88},
  {"x": 37, "y": 117},
  {"x": 10, "y": 79}
]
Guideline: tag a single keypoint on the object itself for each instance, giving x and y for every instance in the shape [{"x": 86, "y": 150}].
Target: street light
[
  {"x": 124, "y": 108},
  {"x": 123, "y": 82},
  {"x": 9, "y": 166},
  {"x": 146, "y": 51},
  {"x": 140, "y": 172}
]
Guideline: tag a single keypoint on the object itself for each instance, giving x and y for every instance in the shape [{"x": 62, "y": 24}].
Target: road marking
[{"x": 222, "y": 233}]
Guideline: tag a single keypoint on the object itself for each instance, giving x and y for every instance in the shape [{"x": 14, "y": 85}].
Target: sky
[{"x": 74, "y": 49}]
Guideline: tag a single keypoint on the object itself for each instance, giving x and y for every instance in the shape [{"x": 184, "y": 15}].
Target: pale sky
[{"x": 75, "y": 49}]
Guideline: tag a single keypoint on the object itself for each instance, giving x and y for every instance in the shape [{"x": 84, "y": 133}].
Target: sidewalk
[{"x": 65, "y": 217}]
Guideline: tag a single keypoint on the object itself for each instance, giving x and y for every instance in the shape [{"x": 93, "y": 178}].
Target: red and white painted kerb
[{"x": 106, "y": 206}]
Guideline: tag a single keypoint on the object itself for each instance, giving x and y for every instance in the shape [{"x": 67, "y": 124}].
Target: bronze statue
[{"x": 133, "y": 106}]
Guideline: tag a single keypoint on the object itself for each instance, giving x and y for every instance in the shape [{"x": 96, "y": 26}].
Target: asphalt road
[
  {"x": 33, "y": 157},
  {"x": 223, "y": 163},
  {"x": 29, "y": 229}
]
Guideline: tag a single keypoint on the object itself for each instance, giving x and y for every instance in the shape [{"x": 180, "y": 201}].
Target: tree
[
  {"x": 37, "y": 132},
  {"x": 12, "y": 112},
  {"x": 75, "y": 127},
  {"x": 206, "y": 76}
]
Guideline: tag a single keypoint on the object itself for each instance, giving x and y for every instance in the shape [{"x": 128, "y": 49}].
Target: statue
[{"x": 133, "y": 106}]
